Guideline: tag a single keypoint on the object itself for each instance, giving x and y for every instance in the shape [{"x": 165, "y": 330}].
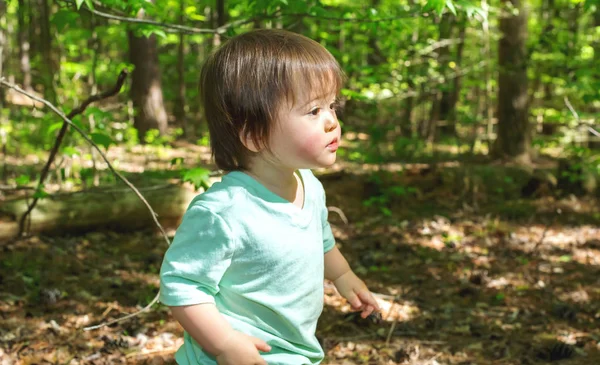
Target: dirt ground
[{"x": 459, "y": 282}]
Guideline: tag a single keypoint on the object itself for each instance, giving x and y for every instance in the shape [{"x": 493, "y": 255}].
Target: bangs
[{"x": 310, "y": 72}]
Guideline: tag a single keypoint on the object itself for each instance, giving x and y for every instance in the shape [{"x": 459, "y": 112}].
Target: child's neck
[{"x": 280, "y": 180}]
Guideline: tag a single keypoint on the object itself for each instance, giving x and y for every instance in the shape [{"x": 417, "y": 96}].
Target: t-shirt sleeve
[
  {"x": 328, "y": 239},
  {"x": 197, "y": 259}
]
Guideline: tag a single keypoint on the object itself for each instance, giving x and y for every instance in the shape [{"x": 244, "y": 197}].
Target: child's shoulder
[{"x": 219, "y": 197}]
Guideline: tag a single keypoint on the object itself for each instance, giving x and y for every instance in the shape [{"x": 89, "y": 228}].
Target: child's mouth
[{"x": 333, "y": 146}]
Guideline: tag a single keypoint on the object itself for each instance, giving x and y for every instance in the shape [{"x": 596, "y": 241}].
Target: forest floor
[{"x": 465, "y": 272}]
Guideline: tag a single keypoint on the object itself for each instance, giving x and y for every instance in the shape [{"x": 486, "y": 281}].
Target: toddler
[{"x": 244, "y": 275}]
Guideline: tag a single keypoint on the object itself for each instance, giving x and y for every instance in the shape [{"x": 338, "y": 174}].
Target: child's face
[{"x": 307, "y": 134}]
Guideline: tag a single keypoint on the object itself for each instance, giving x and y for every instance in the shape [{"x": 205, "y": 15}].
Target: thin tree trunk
[
  {"x": 445, "y": 32},
  {"x": 448, "y": 104},
  {"x": 407, "y": 120},
  {"x": 23, "y": 44},
  {"x": 3, "y": 131},
  {"x": 180, "y": 105},
  {"x": 489, "y": 113},
  {"x": 95, "y": 46},
  {"x": 48, "y": 67},
  {"x": 146, "y": 89},
  {"x": 34, "y": 28},
  {"x": 220, "y": 19},
  {"x": 514, "y": 132}
]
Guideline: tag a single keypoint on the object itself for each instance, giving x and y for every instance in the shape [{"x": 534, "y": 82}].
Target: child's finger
[
  {"x": 367, "y": 311},
  {"x": 367, "y": 297},
  {"x": 354, "y": 301}
]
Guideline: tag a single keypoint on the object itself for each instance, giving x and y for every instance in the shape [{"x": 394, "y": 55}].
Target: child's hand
[
  {"x": 356, "y": 293},
  {"x": 241, "y": 349}
]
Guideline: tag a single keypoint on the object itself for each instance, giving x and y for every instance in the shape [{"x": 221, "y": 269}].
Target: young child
[{"x": 244, "y": 275}]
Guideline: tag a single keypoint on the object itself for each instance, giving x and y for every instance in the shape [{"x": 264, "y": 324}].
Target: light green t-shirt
[{"x": 259, "y": 258}]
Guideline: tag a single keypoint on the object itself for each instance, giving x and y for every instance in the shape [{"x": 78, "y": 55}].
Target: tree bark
[
  {"x": 146, "y": 88},
  {"x": 407, "y": 124},
  {"x": 220, "y": 18},
  {"x": 440, "y": 98},
  {"x": 48, "y": 67},
  {"x": 450, "y": 97},
  {"x": 179, "y": 110},
  {"x": 514, "y": 131},
  {"x": 23, "y": 44}
]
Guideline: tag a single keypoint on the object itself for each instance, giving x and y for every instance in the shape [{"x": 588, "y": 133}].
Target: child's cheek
[{"x": 311, "y": 145}]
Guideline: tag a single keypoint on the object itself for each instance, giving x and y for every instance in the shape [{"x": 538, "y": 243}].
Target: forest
[{"x": 466, "y": 191}]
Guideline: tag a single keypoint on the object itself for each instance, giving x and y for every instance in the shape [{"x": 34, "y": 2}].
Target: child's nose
[{"x": 331, "y": 122}]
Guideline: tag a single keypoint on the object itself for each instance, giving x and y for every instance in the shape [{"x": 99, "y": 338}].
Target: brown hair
[{"x": 245, "y": 82}]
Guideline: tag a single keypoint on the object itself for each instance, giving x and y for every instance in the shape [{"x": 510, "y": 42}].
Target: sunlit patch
[{"x": 391, "y": 309}]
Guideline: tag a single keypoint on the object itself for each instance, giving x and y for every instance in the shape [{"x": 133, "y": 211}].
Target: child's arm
[
  {"x": 212, "y": 332},
  {"x": 348, "y": 284}
]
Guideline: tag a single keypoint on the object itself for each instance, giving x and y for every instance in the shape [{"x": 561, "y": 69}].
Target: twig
[
  {"x": 590, "y": 129},
  {"x": 180, "y": 28},
  {"x": 339, "y": 212},
  {"x": 121, "y": 177},
  {"x": 61, "y": 134},
  {"x": 393, "y": 327},
  {"x": 124, "y": 317},
  {"x": 222, "y": 29}
]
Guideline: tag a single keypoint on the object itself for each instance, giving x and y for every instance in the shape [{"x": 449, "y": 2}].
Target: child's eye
[{"x": 315, "y": 111}]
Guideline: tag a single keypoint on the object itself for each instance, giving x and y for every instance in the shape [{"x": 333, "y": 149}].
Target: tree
[
  {"x": 146, "y": 89},
  {"x": 514, "y": 132},
  {"x": 23, "y": 44},
  {"x": 49, "y": 68}
]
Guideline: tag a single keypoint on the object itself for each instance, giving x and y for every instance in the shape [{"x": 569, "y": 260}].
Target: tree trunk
[
  {"x": 441, "y": 97},
  {"x": 407, "y": 120},
  {"x": 514, "y": 132},
  {"x": 146, "y": 89},
  {"x": 219, "y": 20},
  {"x": 48, "y": 67},
  {"x": 3, "y": 131},
  {"x": 23, "y": 44},
  {"x": 180, "y": 107},
  {"x": 448, "y": 104}
]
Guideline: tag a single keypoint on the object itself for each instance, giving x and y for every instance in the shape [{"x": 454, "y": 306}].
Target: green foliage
[
  {"x": 389, "y": 51},
  {"x": 199, "y": 177}
]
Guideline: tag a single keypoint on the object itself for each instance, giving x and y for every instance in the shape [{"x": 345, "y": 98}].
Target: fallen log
[{"x": 96, "y": 209}]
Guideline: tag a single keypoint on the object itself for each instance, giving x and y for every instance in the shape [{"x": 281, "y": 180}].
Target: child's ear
[{"x": 248, "y": 142}]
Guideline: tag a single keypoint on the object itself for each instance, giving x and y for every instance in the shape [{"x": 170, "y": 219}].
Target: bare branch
[
  {"x": 590, "y": 129},
  {"x": 175, "y": 27},
  {"x": 222, "y": 29},
  {"x": 145, "y": 309},
  {"x": 89, "y": 140},
  {"x": 339, "y": 212},
  {"x": 59, "y": 138}
]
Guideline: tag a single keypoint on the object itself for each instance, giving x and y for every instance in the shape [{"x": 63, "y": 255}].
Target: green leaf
[
  {"x": 101, "y": 139},
  {"x": 451, "y": 7},
  {"x": 54, "y": 127},
  {"x": 78, "y": 3},
  {"x": 89, "y": 4},
  {"x": 565, "y": 258},
  {"x": 70, "y": 151},
  {"x": 41, "y": 194},
  {"x": 22, "y": 180},
  {"x": 198, "y": 177},
  {"x": 435, "y": 5},
  {"x": 147, "y": 32},
  {"x": 64, "y": 18}
]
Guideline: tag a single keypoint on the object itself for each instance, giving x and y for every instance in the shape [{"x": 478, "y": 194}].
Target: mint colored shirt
[{"x": 260, "y": 259}]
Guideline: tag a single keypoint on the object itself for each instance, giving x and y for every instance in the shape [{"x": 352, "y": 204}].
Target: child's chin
[{"x": 327, "y": 162}]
